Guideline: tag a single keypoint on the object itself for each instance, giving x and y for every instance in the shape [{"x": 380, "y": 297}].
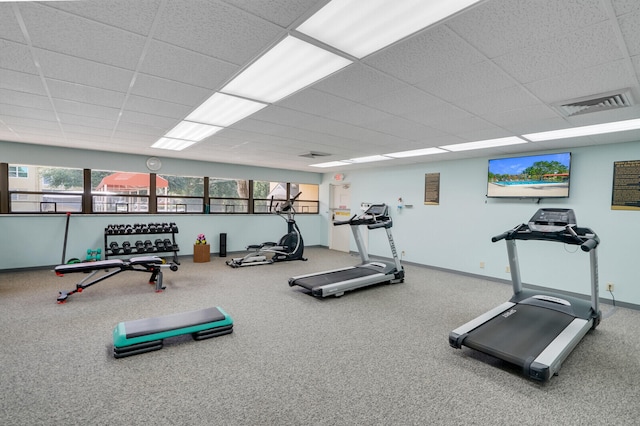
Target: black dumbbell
[
  {"x": 126, "y": 247},
  {"x": 159, "y": 244},
  {"x": 139, "y": 246},
  {"x": 148, "y": 246},
  {"x": 114, "y": 247}
]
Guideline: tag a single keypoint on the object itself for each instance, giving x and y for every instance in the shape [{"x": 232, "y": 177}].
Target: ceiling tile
[
  {"x": 467, "y": 81},
  {"x": 630, "y": 27},
  {"x": 136, "y": 17},
  {"x": 625, "y": 6},
  {"x": 26, "y": 112},
  {"x": 9, "y": 27},
  {"x": 158, "y": 107},
  {"x": 428, "y": 54},
  {"x": 81, "y": 71},
  {"x": 500, "y": 100},
  {"x": 16, "y": 57},
  {"x": 584, "y": 48},
  {"x": 185, "y": 66},
  {"x": 314, "y": 102},
  {"x": 499, "y": 27},
  {"x": 79, "y": 109},
  {"x": 584, "y": 82},
  {"x": 407, "y": 100},
  {"x": 216, "y": 29},
  {"x": 24, "y": 99},
  {"x": 281, "y": 12},
  {"x": 359, "y": 82},
  {"x": 21, "y": 82},
  {"x": 81, "y": 37},
  {"x": 85, "y": 94},
  {"x": 169, "y": 91}
]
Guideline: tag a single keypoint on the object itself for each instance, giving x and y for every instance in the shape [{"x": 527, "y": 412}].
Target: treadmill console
[
  {"x": 552, "y": 220},
  {"x": 377, "y": 210}
]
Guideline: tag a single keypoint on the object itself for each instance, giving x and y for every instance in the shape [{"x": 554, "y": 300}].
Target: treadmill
[
  {"x": 336, "y": 282},
  {"x": 537, "y": 330}
]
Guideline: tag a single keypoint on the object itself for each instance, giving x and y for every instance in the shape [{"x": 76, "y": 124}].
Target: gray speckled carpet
[{"x": 376, "y": 356}]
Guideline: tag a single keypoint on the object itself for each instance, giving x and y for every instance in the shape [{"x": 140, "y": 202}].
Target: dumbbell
[
  {"x": 168, "y": 245},
  {"x": 174, "y": 227},
  {"x": 128, "y": 229},
  {"x": 159, "y": 245},
  {"x": 139, "y": 246},
  {"x": 114, "y": 247},
  {"x": 93, "y": 254},
  {"x": 126, "y": 247},
  {"x": 148, "y": 246}
]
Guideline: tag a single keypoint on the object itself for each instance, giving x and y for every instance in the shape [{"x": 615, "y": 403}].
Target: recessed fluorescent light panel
[
  {"x": 597, "y": 129},
  {"x": 172, "y": 144},
  {"x": 489, "y": 143},
  {"x": 360, "y": 28},
  {"x": 416, "y": 153},
  {"x": 369, "y": 159},
  {"x": 288, "y": 67},
  {"x": 331, "y": 164},
  {"x": 224, "y": 110},
  {"x": 190, "y": 131}
]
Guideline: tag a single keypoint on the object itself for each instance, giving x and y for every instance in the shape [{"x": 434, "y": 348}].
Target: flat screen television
[{"x": 532, "y": 176}]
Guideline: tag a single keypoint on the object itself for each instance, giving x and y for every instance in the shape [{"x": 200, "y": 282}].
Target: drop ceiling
[{"x": 117, "y": 75}]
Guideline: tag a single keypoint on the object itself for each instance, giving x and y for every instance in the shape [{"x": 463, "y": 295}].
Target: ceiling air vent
[
  {"x": 604, "y": 102},
  {"x": 314, "y": 154}
]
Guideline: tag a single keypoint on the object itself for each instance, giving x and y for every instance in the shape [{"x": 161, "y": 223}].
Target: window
[
  {"x": 31, "y": 189},
  {"x": 228, "y": 195},
  {"x": 267, "y": 195},
  {"x": 45, "y": 189},
  {"x": 120, "y": 192},
  {"x": 180, "y": 194},
  {"x": 18, "y": 172},
  {"x": 308, "y": 202}
]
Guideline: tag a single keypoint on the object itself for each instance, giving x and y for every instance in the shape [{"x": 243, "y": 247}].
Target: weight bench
[
  {"x": 111, "y": 267},
  {"x": 146, "y": 335}
]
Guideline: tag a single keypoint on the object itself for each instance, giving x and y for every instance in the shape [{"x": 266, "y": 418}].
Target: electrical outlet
[
  {"x": 402, "y": 254},
  {"x": 481, "y": 265},
  {"x": 610, "y": 287},
  {"x": 507, "y": 269}
]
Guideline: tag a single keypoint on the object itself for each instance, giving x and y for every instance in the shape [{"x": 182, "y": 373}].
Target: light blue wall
[
  {"x": 454, "y": 235},
  {"x": 457, "y": 233},
  {"x": 34, "y": 241}
]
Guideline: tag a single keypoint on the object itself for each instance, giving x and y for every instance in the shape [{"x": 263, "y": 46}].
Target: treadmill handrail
[
  {"x": 368, "y": 218},
  {"x": 586, "y": 238}
]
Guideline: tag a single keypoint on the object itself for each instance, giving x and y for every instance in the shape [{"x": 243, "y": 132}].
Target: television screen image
[{"x": 533, "y": 176}]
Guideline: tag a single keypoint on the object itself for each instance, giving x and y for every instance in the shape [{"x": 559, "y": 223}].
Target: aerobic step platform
[{"x": 146, "y": 335}]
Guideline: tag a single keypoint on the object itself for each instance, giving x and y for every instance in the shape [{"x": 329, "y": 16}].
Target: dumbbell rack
[{"x": 118, "y": 236}]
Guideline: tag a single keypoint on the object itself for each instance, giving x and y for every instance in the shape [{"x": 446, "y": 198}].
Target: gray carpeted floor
[{"x": 377, "y": 356}]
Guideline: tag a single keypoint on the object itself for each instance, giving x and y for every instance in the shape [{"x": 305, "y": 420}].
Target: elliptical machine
[{"x": 290, "y": 246}]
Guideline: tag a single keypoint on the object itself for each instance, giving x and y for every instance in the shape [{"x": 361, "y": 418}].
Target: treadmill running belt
[
  {"x": 334, "y": 277},
  {"x": 520, "y": 333}
]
